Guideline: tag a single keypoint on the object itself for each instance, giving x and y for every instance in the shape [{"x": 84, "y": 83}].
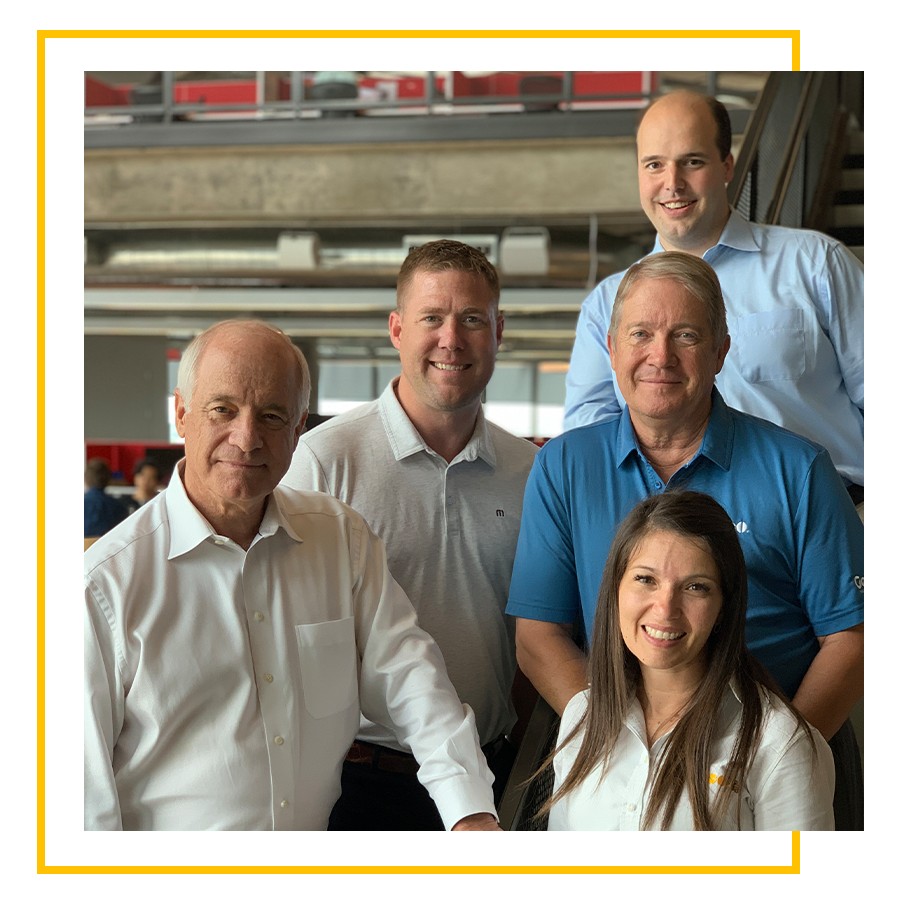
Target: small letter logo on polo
[
  {"x": 741, "y": 527},
  {"x": 858, "y": 581},
  {"x": 500, "y": 512}
]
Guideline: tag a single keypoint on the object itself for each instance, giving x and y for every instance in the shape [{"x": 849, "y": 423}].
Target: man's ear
[
  {"x": 723, "y": 352},
  {"x": 180, "y": 410},
  {"x": 729, "y": 168},
  {"x": 395, "y": 326}
]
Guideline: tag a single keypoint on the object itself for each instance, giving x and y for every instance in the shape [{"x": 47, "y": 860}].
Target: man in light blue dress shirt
[{"x": 794, "y": 298}]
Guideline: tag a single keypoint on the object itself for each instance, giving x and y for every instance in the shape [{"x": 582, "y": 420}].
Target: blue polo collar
[{"x": 718, "y": 439}]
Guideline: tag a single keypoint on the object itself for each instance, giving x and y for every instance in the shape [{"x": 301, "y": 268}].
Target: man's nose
[
  {"x": 451, "y": 335},
  {"x": 661, "y": 354},
  {"x": 674, "y": 179},
  {"x": 245, "y": 433}
]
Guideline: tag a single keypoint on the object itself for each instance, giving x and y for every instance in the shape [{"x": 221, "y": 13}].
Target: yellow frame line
[
  {"x": 41, "y": 455},
  {"x": 792, "y": 869},
  {"x": 42, "y": 37},
  {"x": 794, "y": 36}
]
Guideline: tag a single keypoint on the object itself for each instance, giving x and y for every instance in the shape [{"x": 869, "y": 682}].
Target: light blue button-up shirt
[{"x": 794, "y": 301}]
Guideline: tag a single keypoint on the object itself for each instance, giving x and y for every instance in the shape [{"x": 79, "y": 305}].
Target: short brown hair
[{"x": 446, "y": 256}]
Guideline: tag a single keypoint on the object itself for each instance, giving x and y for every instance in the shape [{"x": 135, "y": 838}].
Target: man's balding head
[
  {"x": 247, "y": 389},
  {"x": 241, "y": 327},
  {"x": 682, "y": 173},
  {"x": 691, "y": 99}
]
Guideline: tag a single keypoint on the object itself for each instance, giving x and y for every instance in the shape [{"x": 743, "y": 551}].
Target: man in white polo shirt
[{"x": 443, "y": 488}]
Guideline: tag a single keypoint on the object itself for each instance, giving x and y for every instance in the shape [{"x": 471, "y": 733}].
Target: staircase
[{"x": 847, "y": 220}]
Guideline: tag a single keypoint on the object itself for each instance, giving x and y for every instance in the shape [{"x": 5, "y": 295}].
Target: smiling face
[
  {"x": 681, "y": 175},
  {"x": 243, "y": 424},
  {"x": 670, "y": 598},
  {"x": 447, "y": 333},
  {"x": 664, "y": 354}
]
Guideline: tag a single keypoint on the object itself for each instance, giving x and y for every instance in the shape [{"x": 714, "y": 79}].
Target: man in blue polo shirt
[{"x": 801, "y": 537}]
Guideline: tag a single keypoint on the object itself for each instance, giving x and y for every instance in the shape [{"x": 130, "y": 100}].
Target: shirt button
[
  {"x": 284, "y": 804},
  {"x": 259, "y": 617},
  {"x": 630, "y": 807},
  {"x": 219, "y": 542},
  {"x": 279, "y": 739},
  {"x": 269, "y": 678}
]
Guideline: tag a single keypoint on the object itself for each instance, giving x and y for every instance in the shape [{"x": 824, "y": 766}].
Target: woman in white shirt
[{"x": 682, "y": 728}]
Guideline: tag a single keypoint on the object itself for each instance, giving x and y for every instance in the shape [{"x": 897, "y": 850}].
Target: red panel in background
[
  {"x": 403, "y": 87},
  {"x": 98, "y": 93},
  {"x": 122, "y": 457}
]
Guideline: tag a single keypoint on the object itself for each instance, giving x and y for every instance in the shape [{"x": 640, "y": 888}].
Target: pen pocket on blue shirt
[
  {"x": 328, "y": 666},
  {"x": 770, "y": 345}
]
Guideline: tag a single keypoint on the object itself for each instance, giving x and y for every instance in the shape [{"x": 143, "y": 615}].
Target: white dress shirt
[
  {"x": 788, "y": 787},
  {"x": 223, "y": 687}
]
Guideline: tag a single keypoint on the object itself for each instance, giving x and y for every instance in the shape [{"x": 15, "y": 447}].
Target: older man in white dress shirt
[{"x": 234, "y": 629}]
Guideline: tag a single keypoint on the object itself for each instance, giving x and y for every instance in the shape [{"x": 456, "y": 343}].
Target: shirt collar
[
  {"x": 736, "y": 234},
  {"x": 634, "y": 717},
  {"x": 405, "y": 440},
  {"x": 718, "y": 439},
  {"x": 188, "y": 527}
]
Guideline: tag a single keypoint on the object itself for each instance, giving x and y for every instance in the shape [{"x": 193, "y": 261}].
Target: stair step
[
  {"x": 852, "y": 237},
  {"x": 848, "y": 198},
  {"x": 850, "y": 216},
  {"x": 852, "y": 179},
  {"x": 857, "y": 252}
]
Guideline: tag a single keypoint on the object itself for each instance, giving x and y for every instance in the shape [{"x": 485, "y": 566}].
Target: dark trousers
[
  {"x": 848, "y": 780},
  {"x": 375, "y": 799}
]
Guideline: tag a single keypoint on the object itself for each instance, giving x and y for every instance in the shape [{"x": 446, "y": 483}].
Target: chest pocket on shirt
[
  {"x": 327, "y": 666},
  {"x": 770, "y": 345}
]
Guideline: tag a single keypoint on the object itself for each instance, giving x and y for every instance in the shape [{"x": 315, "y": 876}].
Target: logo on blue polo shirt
[
  {"x": 858, "y": 581},
  {"x": 741, "y": 527}
]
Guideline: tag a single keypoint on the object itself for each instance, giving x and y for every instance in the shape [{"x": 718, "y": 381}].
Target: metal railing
[
  {"x": 155, "y": 102},
  {"x": 793, "y": 144}
]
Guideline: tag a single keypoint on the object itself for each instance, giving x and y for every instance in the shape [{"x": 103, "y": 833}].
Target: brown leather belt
[{"x": 387, "y": 759}]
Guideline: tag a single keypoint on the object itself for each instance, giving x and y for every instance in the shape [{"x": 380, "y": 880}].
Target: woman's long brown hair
[{"x": 615, "y": 673}]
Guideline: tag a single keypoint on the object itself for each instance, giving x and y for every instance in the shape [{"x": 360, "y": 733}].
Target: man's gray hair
[
  {"x": 187, "y": 368},
  {"x": 689, "y": 271}
]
